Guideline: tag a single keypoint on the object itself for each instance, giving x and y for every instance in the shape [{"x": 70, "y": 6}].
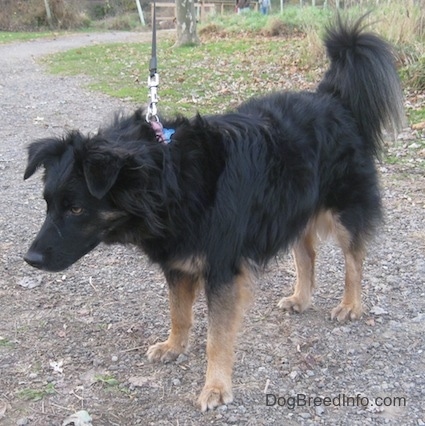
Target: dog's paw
[
  {"x": 345, "y": 311},
  {"x": 294, "y": 303},
  {"x": 215, "y": 395},
  {"x": 163, "y": 352}
]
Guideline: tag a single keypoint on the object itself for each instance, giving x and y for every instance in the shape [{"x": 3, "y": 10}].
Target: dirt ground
[{"x": 77, "y": 340}]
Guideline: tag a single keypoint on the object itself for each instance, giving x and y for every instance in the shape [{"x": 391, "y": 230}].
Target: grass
[
  {"x": 32, "y": 394},
  {"x": 5, "y": 343},
  {"x": 417, "y": 115},
  {"x": 107, "y": 380},
  {"x": 237, "y": 60},
  {"x": 9, "y": 37},
  {"x": 206, "y": 78}
]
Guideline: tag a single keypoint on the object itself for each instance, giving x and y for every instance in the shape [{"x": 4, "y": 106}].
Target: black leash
[
  {"x": 162, "y": 135},
  {"x": 153, "y": 80},
  {"x": 153, "y": 61}
]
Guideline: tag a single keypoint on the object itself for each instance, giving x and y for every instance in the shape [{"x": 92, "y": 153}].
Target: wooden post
[
  {"x": 48, "y": 13},
  {"x": 139, "y": 9}
]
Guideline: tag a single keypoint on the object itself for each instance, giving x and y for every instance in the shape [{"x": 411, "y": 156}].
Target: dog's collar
[{"x": 162, "y": 135}]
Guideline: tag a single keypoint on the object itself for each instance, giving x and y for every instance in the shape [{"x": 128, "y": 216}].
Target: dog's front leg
[
  {"x": 226, "y": 306},
  {"x": 183, "y": 289}
]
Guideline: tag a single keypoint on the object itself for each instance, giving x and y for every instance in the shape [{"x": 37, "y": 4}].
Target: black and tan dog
[{"x": 230, "y": 191}]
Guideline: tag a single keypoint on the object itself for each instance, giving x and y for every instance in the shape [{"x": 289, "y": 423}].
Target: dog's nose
[{"x": 34, "y": 259}]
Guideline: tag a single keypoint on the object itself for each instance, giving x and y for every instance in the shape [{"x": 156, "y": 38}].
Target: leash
[
  {"x": 162, "y": 135},
  {"x": 153, "y": 79}
]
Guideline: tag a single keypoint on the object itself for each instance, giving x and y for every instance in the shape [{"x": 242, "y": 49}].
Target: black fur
[{"x": 229, "y": 188}]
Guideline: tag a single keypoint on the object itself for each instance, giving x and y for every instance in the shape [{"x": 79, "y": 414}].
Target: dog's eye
[{"x": 76, "y": 211}]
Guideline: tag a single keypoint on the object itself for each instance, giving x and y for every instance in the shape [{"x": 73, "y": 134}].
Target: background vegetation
[{"x": 248, "y": 54}]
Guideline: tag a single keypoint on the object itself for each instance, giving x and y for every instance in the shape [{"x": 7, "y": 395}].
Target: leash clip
[{"x": 153, "y": 83}]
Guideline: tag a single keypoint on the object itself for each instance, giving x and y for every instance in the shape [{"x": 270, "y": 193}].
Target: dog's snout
[{"x": 34, "y": 259}]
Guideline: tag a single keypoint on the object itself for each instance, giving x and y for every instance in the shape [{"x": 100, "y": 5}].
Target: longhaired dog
[{"x": 229, "y": 192}]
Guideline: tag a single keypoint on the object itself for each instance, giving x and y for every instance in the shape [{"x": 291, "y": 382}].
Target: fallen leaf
[
  {"x": 29, "y": 282},
  {"x": 419, "y": 126},
  {"x": 80, "y": 418},
  {"x": 377, "y": 310}
]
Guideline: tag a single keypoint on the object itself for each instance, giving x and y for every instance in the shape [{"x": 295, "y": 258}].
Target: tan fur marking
[
  {"x": 182, "y": 295},
  {"x": 193, "y": 265},
  {"x": 326, "y": 224},
  {"x": 224, "y": 319},
  {"x": 351, "y": 304},
  {"x": 304, "y": 257}
]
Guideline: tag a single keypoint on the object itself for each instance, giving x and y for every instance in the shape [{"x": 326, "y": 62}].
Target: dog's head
[{"x": 79, "y": 172}]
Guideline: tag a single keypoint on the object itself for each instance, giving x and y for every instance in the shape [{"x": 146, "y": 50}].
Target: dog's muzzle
[{"x": 34, "y": 259}]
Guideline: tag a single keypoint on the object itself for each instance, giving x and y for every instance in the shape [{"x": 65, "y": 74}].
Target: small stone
[
  {"x": 293, "y": 374},
  {"x": 377, "y": 310},
  {"x": 305, "y": 415},
  {"x": 181, "y": 359},
  {"x": 30, "y": 283},
  {"x": 319, "y": 410}
]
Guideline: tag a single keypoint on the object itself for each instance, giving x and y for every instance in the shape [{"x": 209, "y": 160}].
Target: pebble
[
  {"x": 319, "y": 410},
  {"x": 305, "y": 415},
  {"x": 182, "y": 358},
  {"x": 293, "y": 374}
]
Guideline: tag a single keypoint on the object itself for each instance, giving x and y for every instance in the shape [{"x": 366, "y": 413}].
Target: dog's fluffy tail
[{"x": 363, "y": 75}]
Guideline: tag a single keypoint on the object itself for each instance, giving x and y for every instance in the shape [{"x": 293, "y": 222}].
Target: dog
[{"x": 229, "y": 191}]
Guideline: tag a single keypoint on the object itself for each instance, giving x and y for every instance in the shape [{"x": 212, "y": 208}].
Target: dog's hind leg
[
  {"x": 226, "y": 306},
  {"x": 304, "y": 257},
  {"x": 183, "y": 289},
  {"x": 351, "y": 304}
]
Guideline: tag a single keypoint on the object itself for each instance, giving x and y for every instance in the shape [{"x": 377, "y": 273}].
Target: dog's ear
[
  {"x": 41, "y": 151},
  {"x": 101, "y": 169}
]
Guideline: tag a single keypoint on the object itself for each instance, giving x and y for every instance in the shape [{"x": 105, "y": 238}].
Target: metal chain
[
  {"x": 153, "y": 80},
  {"x": 153, "y": 83}
]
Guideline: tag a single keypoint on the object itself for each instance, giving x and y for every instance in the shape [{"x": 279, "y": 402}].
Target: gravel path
[{"x": 76, "y": 340}]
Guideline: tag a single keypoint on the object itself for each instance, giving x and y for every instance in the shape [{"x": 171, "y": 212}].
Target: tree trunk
[
  {"x": 186, "y": 23},
  {"x": 48, "y": 13}
]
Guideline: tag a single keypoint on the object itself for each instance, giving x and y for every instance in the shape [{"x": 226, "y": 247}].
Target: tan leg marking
[
  {"x": 304, "y": 257},
  {"x": 351, "y": 304},
  {"x": 183, "y": 290},
  {"x": 225, "y": 312}
]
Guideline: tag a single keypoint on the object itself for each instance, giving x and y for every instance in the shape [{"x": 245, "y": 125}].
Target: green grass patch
[
  {"x": 32, "y": 394},
  {"x": 9, "y": 37},
  {"x": 5, "y": 343},
  {"x": 107, "y": 380},
  {"x": 206, "y": 78},
  {"x": 293, "y": 17},
  {"x": 416, "y": 116}
]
